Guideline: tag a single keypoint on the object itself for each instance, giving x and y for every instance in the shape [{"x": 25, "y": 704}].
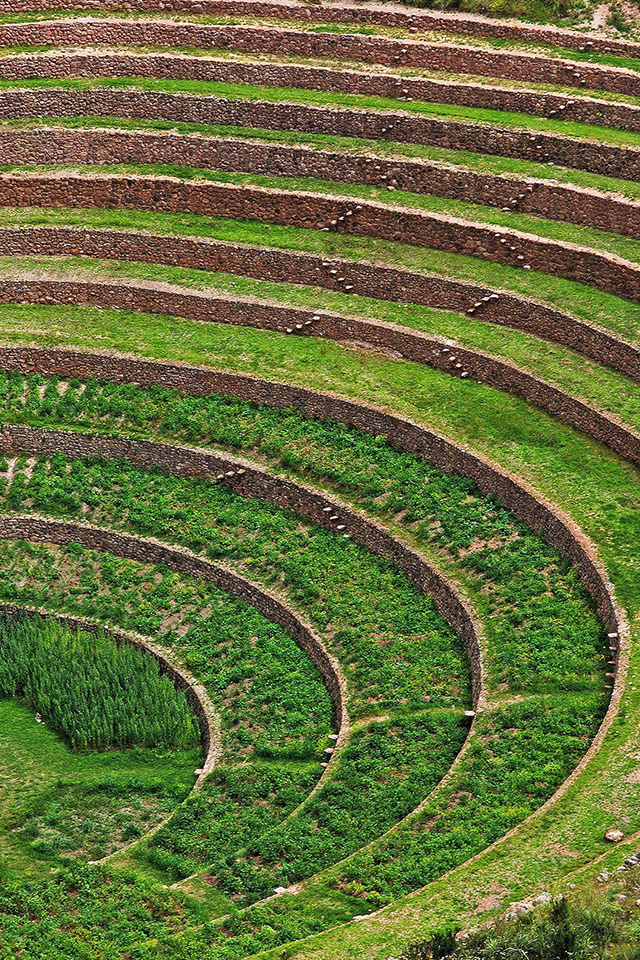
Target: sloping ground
[{"x": 320, "y": 369}]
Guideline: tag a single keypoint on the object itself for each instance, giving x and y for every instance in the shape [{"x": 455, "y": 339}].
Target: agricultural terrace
[{"x": 319, "y": 471}]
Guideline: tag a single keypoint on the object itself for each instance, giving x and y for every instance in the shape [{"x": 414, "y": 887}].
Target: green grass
[
  {"x": 543, "y": 638},
  {"x": 47, "y": 791},
  {"x": 600, "y": 240},
  {"x": 238, "y": 803},
  {"x": 284, "y": 712},
  {"x": 55, "y": 489},
  {"x": 603, "y": 388},
  {"x": 394, "y": 644},
  {"x": 481, "y": 163},
  {"x": 553, "y": 640},
  {"x": 234, "y": 56},
  {"x": 580, "y": 300},
  {"x": 536, "y": 10}
]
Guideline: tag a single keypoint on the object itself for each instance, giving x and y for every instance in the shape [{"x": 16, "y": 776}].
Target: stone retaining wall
[
  {"x": 315, "y": 212},
  {"x": 248, "y": 481},
  {"x": 613, "y": 161},
  {"x": 399, "y": 432},
  {"x": 388, "y": 14},
  {"x": 527, "y": 67},
  {"x": 539, "y": 103},
  {"x": 421, "y": 348},
  {"x": 556, "y": 201},
  {"x": 281, "y": 266},
  {"x": 146, "y": 550}
]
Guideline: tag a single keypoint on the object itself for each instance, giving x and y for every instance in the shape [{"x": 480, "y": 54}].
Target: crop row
[{"x": 92, "y": 691}]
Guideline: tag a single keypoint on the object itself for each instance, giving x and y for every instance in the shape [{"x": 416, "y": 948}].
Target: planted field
[{"x": 319, "y": 451}]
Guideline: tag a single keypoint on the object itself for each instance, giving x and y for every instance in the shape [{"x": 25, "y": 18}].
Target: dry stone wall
[
  {"x": 614, "y": 161},
  {"x": 434, "y": 351},
  {"x": 385, "y": 283},
  {"x": 315, "y": 212},
  {"x": 554, "y": 200},
  {"x": 539, "y": 103},
  {"x": 144, "y": 550},
  {"x": 527, "y": 67},
  {"x": 392, "y": 15},
  {"x": 249, "y": 481},
  {"x": 399, "y": 432}
]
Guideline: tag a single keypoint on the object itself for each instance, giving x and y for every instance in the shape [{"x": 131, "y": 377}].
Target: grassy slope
[
  {"x": 481, "y": 163},
  {"x": 35, "y": 760},
  {"x": 600, "y": 492},
  {"x": 246, "y": 92},
  {"x": 605, "y": 389}
]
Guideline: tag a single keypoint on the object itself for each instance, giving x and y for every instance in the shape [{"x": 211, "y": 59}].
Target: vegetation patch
[{"x": 96, "y": 693}]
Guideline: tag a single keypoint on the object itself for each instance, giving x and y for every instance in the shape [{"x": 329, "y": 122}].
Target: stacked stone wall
[
  {"x": 420, "y": 348},
  {"x": 385, "y": 283},
  {"x": 248, "y": 481},
  {"x": 390, "y": 85},
  {"x": 42, "y": 530},
  {"x": 315, "y": 212},
  {"x": 389, "y": 15},
  {"x": 556, "y": 201},
  {"x": 530, "y": 68},
  {"x": 401, "y": 433},
  {"x": 613, "y": 161}
]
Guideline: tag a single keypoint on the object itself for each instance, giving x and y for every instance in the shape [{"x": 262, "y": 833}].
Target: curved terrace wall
[
  {"x": 556, "y": 201},
  {"x": 539, "y": 103},
  {"x": 399, "y": 432},
  {"x": 613, "y": 161},
  {"x": 433, "y": 351},
  {"x": 392, "y": 15},
  {"x": 314, "y": 212},
  {"x": 528, "y": 67},
  {"x": 369, "y": 280},
  {"x": 248, "y": 480},
  {"x": 147, "y": 550}
]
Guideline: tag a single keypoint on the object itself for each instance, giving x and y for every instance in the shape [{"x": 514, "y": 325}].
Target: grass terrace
[{"x": 369, "y": 777}]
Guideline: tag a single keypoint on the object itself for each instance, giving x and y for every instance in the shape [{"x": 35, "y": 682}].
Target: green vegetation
[
  {"x": 560, "y": 930},
  {"x": 395, "y": 645},
  {"x": 237, "y": 804},
  {"x": 57, "y": 803},
  {"x": 411, "y": 803},
  {"x": 94, "y": 692},
  {"x": 550, "y": 637},
  {"x": 383, "y": 774},
  {"x": 234, "y": 646},
  {"x": 556, "y": 730},
  {"x": 220, "y": 638}
]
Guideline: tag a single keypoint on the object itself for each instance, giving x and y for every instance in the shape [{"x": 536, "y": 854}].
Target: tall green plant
[{"x": 94, "y": 692}]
